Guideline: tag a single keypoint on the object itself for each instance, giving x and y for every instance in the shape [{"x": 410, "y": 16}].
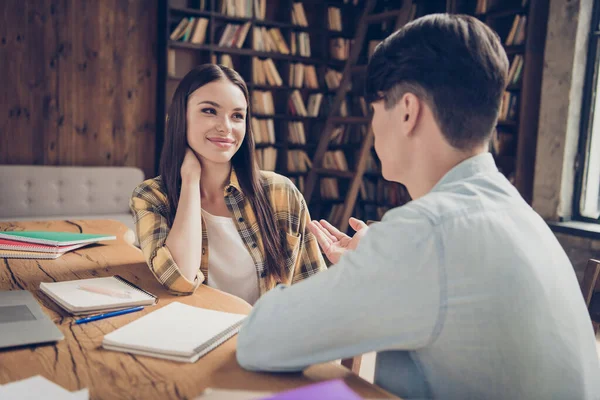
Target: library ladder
[{"x": 333, "y": 119}]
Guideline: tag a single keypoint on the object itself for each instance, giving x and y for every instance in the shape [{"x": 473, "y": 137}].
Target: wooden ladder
[{"x": 334, "y": 119}]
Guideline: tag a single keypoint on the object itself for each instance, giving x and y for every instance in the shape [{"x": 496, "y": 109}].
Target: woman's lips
[{"x": 223, "y": 143}]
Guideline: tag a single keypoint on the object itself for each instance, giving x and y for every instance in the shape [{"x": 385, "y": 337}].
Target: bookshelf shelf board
[
  {"x": 335, "y": 173},
  {"x": 255, "y": 86},
  {"x": 267, "y": 145},
  {"x": 507, "y": 124},
  {"x": 254, "y": 53},
  {"x": 503, "y": 13},
  {"x": 350, "y": 120},
  {"x": 520, "y": 49},
  {"x": 287, "y": 117},
  {"x": 374, "y": 18},
  {"x": 257, "y": 21}
]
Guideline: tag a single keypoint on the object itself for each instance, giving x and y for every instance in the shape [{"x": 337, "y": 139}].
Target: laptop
[{"x": 22, "y": 321}]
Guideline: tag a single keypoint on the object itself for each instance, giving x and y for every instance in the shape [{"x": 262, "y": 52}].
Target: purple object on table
[{"x": 330, "y": 390}]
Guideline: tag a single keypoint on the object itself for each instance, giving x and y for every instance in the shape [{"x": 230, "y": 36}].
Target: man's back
[{"x": 510, "y": 319}]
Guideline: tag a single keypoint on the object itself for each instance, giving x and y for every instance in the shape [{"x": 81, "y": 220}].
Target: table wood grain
[{"x": 79, "y": 361}]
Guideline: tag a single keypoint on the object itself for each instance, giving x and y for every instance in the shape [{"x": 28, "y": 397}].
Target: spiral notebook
[
  {"x": 84, "y": 296},
  {"x": 201, "y": 331}
]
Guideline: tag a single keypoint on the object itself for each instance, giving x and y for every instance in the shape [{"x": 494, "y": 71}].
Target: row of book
[
  {"x": 503, "y": 143},
  {"x": 298, "y": 14},
  {"x": 301, "y": 75},
  {"x": 234, "y": 35},
  {"x": 263, "y": 130},
  {"x": 333, "y": 79},
  {"x": 262, "y": 102},
  {"x": 264, "y": 72},
  {"x": 192, "y": 30},
  {"x": 381, "y": 192},
  {"x": 269, "y": 39},
  {"x": 243, "y": 8},
  {"x": 329, "y": 189},
  {"x": 298, "y": 161},
  {"x": 508, "y": 107},
  {"x": 296, "y": 132},
  {"x": 335, "y": 160},
  {"x": 334, "y": 19},
  {"x": 517, "y": 33},
  {"x": 266, "y": 158},
  {"x": 516, "y": 70},
  {"x": 339, "y": 48},
  {"x": 348, "y": 134},
  {"x": 297, "y": 107},
  {"x": 298, "y": 181}
]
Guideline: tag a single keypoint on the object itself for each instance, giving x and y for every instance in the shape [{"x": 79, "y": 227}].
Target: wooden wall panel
[
  {"x": 28, "y": 76},
  {"x": 86, "y": 74}
]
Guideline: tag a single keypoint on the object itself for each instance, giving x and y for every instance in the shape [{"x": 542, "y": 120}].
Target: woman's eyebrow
[{"x": 212, "y": 103}]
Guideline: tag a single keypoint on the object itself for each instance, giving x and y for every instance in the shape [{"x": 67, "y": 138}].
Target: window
[{"x": 587, "y": 192}]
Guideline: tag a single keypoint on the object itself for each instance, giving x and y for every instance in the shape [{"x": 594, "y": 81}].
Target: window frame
[{"x": 590, "y": 96}]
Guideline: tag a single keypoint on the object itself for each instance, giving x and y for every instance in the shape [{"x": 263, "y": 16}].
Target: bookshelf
[
  {"x": 286, "y": 80},
  {"x": 349, "y": 183},
  {"x": 521, "y": 25}
]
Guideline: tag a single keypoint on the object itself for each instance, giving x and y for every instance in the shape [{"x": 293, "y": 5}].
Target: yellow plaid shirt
[{"x": 303, "y": 258}]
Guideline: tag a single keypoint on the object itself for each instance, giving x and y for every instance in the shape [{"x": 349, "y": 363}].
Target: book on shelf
[
  {"x": 262, "y": 102},
  {"x": 263, "y": 130},
  {"x": 234, "y": 35},
  {"x": 298, "y": 161},
  {"x": 237, "y": 8},
  {"x": 502, "y": 143},
  {"x": 314, "y": 104},
  {"x": 192, "y": 30},
  {"x": 517, "y": 33},
  {"x": 336, "y": 214},
  {"x": 260, "y": 9},
  {"x": 515, "y": 71},
  {"x": 303, "y": 75},
  {"x": 327, "y": 103},
  {"x": 225, "y": 59},
  {"x": 266, "y": 158},
  {"x": 298, "y": 181},
  {"x": 333, "y": 79},
  {"x": 296, "y": 104},
  {"x": 300, "y": 44},
  {"x": 296, "y": 133},
  {"x": 265, "y": 72},
  {"x": 269, "y": 40},
  {"x": 334, "y": 19},
  {"x": 335, "y": 160},
  {"x": 298, "y": 14},
  {"x": 508, "y": 107},
  {"x": 329, "y": 188},
  {"x": 339, "y": 48}
]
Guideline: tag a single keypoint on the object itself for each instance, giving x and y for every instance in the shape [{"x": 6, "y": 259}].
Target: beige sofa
[{"x": 49, "y": 192}]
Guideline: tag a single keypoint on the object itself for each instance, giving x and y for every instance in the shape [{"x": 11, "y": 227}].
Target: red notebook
[{"x": 6, "y": 244}]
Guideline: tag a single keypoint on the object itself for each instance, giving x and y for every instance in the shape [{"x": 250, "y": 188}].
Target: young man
[{"x": 464, "y": 292}]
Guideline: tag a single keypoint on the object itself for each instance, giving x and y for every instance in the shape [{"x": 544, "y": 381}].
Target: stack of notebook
[{"x": 44, "y": 244}]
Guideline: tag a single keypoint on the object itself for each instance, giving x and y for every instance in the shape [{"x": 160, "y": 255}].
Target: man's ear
[{"x": 409, "y": 109}]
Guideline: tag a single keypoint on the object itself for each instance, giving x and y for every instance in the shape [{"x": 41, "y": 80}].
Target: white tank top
[{"x": 230, "y": 266}]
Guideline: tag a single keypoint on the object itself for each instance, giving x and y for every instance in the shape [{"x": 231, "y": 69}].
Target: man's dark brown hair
[{"x": 455, "y": 63}]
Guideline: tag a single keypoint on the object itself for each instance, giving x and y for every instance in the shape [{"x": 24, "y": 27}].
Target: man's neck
[
  {"x": 213, "y": 179},
  {"x": 432, "y": 169}
]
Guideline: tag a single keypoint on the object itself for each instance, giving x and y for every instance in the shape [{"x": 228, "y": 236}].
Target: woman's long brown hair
[{"x": 243, "y": 161}]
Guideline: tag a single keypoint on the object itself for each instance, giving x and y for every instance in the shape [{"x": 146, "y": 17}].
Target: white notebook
[
  {"x": 84, "y": 296},
  {"x": 199, "y": 331}
]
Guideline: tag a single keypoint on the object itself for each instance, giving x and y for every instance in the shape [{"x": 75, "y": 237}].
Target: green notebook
[{"x": 54, "y": 238}]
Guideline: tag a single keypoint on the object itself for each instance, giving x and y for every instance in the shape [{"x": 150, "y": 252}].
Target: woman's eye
[
  {"x": 209, "y": 111},
  {"x": 238, "y": 116}
]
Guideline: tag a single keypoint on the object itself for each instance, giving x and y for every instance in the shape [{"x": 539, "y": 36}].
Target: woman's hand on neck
[{"x": 214, "y": 178}]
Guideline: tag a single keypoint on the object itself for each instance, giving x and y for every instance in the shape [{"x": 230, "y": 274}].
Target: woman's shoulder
[
  {"x": 151, "y": 188},
  {"x": 282, "y": 190}
]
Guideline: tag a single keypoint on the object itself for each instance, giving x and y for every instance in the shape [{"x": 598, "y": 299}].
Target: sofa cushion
[{"x": 59, "y": 192}]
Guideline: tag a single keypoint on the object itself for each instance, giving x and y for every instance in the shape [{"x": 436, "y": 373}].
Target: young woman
[{"x": 212, "y": 216}]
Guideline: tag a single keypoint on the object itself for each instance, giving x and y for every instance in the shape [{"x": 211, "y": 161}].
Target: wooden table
[{"x": 78, "y": 361}]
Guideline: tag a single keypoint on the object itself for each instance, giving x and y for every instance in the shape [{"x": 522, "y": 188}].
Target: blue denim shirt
[{"x": 464, "y": 293}]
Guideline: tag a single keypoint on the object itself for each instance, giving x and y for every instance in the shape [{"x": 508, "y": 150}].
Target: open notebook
[
  {"x": 201, "y": 331},
  {"x": 84, "y": 296}
]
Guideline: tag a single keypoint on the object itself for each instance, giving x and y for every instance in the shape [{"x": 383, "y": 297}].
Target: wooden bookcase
[
  {"x": 186, "y": 55},
  {"x": 517, "y": 160},
  {"x": 516, "y": 144}
]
